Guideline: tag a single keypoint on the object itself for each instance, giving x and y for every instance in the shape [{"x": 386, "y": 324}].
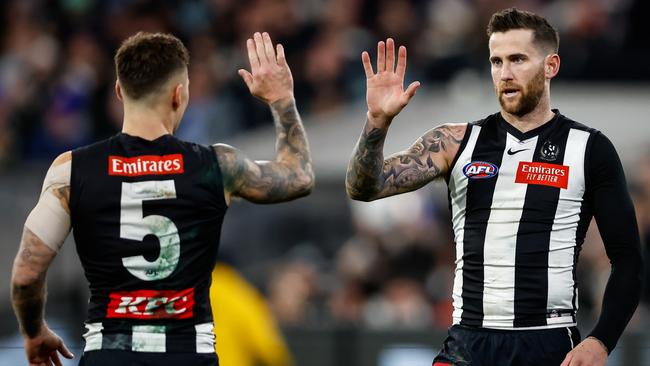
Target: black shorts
[
  {"x": 111, "y": 357},
  {"x": 468, "y": 346}
]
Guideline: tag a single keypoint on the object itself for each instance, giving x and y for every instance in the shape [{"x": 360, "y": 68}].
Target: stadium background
[{"x": 349, "y": 283}]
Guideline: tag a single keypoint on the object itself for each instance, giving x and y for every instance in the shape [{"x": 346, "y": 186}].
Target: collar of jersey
[{"x": 534, "y": 132}]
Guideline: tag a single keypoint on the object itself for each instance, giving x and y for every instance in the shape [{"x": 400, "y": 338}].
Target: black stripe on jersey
[
  {"x": 533, "y": 240},
  {"x": 489, "y": 148}
]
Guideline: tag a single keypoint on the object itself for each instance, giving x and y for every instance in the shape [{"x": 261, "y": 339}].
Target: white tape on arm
[{"x": 50, "y": 220}]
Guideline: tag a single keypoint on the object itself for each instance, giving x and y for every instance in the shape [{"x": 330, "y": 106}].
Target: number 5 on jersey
[{"x": 135, "y": 226}]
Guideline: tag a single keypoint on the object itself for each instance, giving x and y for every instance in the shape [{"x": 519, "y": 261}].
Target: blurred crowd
[{"x": 57, "y": 78}]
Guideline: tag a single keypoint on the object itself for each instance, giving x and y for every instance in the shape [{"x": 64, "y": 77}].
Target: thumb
[
  {"x": 410, "y": 91},
  {"x": 248, "y": 78},
  {"x": 65, "y": 351}
]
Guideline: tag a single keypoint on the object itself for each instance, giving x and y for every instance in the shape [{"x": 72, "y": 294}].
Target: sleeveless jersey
[
  {"x": 519, "y": 218},
  {"x": 146, "y": 217}
]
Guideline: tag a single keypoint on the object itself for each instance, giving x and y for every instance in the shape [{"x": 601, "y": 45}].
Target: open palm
[
  {"x": 385, "y": 93},
  {"x": 270, "y": 77}
]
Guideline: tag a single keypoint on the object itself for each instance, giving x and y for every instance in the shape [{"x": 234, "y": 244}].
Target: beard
[{"x": 530, "y": 96}]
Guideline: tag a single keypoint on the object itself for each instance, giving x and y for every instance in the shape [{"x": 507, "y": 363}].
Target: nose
[{"x": 506, "y": 72}]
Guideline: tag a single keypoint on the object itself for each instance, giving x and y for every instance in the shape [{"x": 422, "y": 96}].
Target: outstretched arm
[
  {"x": 369, "y": 176},
  {"x": 45, "y": 230},
  {"x": 290, "y": 175}
]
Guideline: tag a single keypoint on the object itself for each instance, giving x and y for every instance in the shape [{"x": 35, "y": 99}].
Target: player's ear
[
  {"x": 118, "y": 90},
  {"x": 177, "y": 96},
  {"x": 551, "y": 65}
]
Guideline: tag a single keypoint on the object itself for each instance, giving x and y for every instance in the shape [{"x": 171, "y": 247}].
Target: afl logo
[{"x": 480, "y": 170}]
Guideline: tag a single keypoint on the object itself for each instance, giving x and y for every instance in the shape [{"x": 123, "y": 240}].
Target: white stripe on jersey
[
  {"x": 563, "y": 235},
  {"x": 458, "y": 203},
  {"x": 501, "y": 236},
  {"x": 205, "y": 338},
  {"x": 93, "y": 336},
  {"x": 148, "y": 338}
]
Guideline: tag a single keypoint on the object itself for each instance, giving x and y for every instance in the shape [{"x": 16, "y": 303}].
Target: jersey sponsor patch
[
  {"x": 480, "y": 170},
  {"x": 145, "y": 165},
  {"x": 544, "y": 174},
  {"x": 151, "y": 304}
]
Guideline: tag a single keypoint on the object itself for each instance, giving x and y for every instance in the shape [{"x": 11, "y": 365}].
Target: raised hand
[
  {"x": 270, "y": 77},
  {"x": 385, "y": 93}
]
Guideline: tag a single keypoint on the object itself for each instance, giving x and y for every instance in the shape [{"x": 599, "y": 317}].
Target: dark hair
[
  {"x": 146, "y": 60},
  {"x": 544, "y": 35}
]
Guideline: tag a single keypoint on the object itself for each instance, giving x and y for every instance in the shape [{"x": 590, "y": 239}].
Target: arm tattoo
[
  {"x": 369, "y": 176},
  {"x": 28, "y": 283},
  {"x": 288, "y": 177}
]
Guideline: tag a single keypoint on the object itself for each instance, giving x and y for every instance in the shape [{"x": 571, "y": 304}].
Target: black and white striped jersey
[
  {"x": 519, "y": 219},
  {"x": 146, "y": 217}
]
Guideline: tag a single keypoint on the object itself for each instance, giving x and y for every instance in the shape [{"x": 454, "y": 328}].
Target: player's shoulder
[
  {"x": 456, "y": 130},
  {"x": 92, "y": 147},
  {"x": 62, "y": 158},
  {"x": 597, "y": 141},
  {"x": 484, "y": 121},
  {"x": 573, "y": 124}
]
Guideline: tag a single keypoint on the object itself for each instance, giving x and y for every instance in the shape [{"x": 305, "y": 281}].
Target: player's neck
[
  {"x": 147, "y": 123},
  {"x": 535, "y": 118}
]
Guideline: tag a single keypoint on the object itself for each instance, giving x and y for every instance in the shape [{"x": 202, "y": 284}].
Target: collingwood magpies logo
[{"x": 549, "y": 151}]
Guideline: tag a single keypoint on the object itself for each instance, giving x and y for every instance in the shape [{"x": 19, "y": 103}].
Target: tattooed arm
[
  {"x": 290, "y": 175},
  {"x": 370, "y": 177},
  {"x": 45, "y": 230}
]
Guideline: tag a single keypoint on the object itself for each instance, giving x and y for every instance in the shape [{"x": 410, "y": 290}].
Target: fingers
[
  {"x": 367, "y": 66},
  {"x": 259, "y": 47},
  {"x": 390, "y": 55},
  {"x": 55, "y": 358},
  {"x": 386, "y": 58},
  {"x": 65, "y": 351},
  {"x": 401, "y": 62},
  {"x": 248, "y": 78},
  {"x": 252, "y": 55},
  {"x": 268, "y": 48},
  {"x": 282, "y": 60},
  {"x": 412, "y": 88},
  {"x": 381, "y": 56}
]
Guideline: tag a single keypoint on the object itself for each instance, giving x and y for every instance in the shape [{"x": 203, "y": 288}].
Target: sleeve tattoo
[
  {"x": 369, "y": 176},
  {"x": 28, "y": 282},
  {"x": 288, "y": 177}
]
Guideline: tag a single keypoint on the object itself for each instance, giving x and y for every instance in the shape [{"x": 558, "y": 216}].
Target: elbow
[
  {"x": 359, "y": 195},
  {"x": 305, "y": 183},
  {"x": 361, "y": 198},
  {"x": 24, "y": 281},
  {"x": 306, "y": 189}
]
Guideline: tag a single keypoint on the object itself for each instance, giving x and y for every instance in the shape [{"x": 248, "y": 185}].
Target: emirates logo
[{"x": 145, "y": 165}]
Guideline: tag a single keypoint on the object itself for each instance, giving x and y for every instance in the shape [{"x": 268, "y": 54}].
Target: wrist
[
  {"x": 34, "y": 331},
  {"x": 378, "y": 120},
  {"x": 282, "y": 101},
  {"x": 600, "y": 343}
]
